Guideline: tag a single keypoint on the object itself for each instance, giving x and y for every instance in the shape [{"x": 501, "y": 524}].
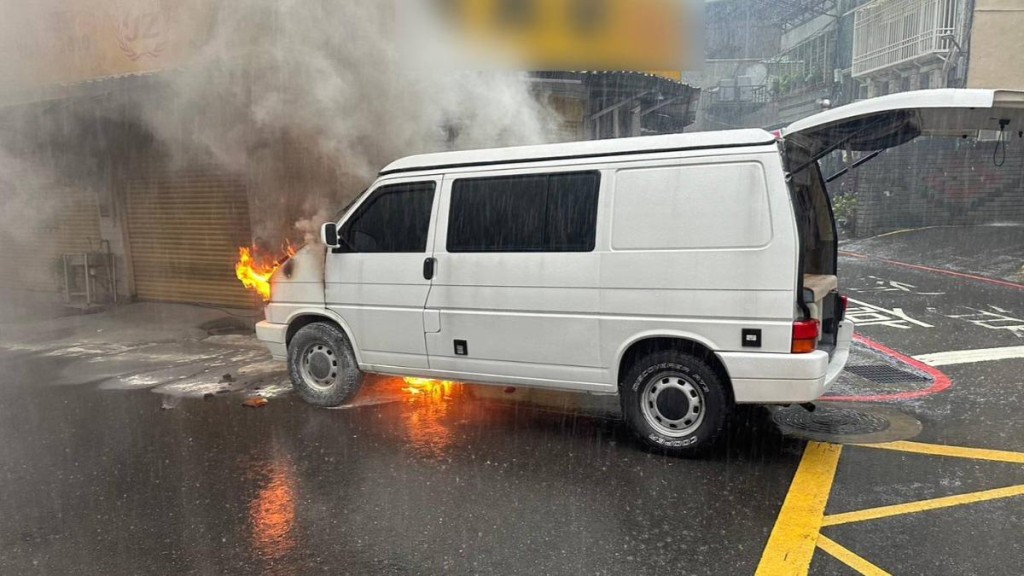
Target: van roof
[{"x": 587, "y": 149}]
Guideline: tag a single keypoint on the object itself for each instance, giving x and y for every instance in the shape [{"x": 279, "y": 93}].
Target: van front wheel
[
  {"x": 323, "y": 367},
  {"x": 675, "y": 403}
]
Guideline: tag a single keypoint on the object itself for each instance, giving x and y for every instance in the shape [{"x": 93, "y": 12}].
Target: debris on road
[{"x": 255, "y": 402}]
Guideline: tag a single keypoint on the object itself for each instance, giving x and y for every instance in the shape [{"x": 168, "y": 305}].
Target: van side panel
[
  {"x": 700, "y": 247},
  {"x": 710, "y": 207},
  {"x": 532, "y": 316}
]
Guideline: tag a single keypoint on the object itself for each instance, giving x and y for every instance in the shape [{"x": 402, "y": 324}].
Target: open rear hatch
[
  {"x": 872, "y": 126},
  {"x": 894, "y": 120}
]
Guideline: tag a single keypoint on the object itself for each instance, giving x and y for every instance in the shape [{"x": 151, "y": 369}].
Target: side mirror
[{"x": 329, "y": 235}]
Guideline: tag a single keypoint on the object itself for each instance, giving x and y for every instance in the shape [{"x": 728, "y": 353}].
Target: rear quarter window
[{"x": 717, "y": 206}]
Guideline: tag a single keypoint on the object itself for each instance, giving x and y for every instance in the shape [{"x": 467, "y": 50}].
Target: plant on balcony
[{"x": 785, "y": 85}]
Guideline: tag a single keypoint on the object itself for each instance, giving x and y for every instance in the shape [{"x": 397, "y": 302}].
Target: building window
[
  {"x": 926, "y": 80},
  {"x": 395, "y": 219},
  {"x": 530, "y": 213}
]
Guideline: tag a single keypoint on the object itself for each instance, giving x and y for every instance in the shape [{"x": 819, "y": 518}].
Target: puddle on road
[{"x": 218, "y": 365}]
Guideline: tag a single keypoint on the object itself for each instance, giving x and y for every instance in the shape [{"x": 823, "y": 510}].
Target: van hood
[{"x": 893, "y": 120}]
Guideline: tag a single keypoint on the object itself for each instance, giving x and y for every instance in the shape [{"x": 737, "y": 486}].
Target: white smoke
[
  {"x": 332, "y": 80},
  {"x": 304, "y": 99},
  {"x": 26, "y": 211}
]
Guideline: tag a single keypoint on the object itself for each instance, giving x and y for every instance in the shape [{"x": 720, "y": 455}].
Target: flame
[
  {"x": 425, "y": 387},
  {"x": 255, "y": 270}
]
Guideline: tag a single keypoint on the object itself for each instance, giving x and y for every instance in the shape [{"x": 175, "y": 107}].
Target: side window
[
  {"x": 395, "y": 219},
  {"x": 530, "y": 213}
]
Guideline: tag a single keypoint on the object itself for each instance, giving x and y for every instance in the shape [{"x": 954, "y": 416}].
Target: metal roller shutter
[{"x": 185, "y": 227}]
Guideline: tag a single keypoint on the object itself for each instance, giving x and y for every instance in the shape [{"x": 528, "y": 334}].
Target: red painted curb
[
  {"x": 1003, "y": 283},
  {"x": 940, "y": 383}
]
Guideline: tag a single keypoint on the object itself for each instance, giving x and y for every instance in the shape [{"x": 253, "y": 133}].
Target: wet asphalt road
[
  {"x": 110, "y": 481},
  {"x": 935, "y": 313},
  {"x": 922, "y": 312}
]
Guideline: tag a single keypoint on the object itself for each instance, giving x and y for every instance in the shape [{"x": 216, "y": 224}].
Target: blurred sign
[
  {"x": 565, "y": 35},
  {"x": 51, "y": 43}
]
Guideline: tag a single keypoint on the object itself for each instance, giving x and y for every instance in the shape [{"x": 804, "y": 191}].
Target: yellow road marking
[
  {"x": 922, "y": 505},
  {"x": 952, "y": 451},
  {"x": 795, "y": 535},
  {"x": 847, "y": 557}
]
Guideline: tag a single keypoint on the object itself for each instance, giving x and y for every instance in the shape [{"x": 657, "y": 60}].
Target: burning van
[{"x": 684, "y": 273}]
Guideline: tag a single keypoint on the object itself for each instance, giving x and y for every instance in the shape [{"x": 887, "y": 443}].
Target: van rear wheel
[
  {"x": 674, "y": 402},
  {"x": 323, "y": 367}
]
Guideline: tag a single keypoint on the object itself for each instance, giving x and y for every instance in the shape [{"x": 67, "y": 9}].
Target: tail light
[
  {"x": 844, "y": 305},
  {"x": 805, "y": 336}
]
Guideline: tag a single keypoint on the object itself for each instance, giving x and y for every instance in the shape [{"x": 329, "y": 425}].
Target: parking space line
[
  {"x": 797, "y": 529},
  {"x": 971, "y": 356},
  {"x": 847, "y": 557},
  {"x": 922, "y": 506},
  {"x": 951, "y": 451}
]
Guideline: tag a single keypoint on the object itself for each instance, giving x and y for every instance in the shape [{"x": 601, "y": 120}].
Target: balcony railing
[
  {"x": 738, "y": 92},
  {"x": 888, "y": 33}
]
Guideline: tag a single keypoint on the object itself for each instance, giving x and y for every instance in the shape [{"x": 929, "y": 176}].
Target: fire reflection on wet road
[
  {"x": 426, "y": 420},
  {"x": 272, "y": 510}
]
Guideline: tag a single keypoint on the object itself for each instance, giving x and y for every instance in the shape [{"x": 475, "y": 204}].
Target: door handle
[{"x": 429, "y": 268}]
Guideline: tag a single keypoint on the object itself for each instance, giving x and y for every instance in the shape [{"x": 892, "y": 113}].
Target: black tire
[
  {"x": 676, "y": 385},
  {"x": 323, "y": 367}
]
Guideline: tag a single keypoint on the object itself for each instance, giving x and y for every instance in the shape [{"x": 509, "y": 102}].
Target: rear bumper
[
  {"x": 275, "y": 338},
  {"x": 787, "y": 378}
]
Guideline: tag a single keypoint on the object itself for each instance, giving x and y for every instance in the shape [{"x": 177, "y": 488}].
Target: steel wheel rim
[
  {"x": 320, "y": 366},
  {"x": 672, "y": 404}
]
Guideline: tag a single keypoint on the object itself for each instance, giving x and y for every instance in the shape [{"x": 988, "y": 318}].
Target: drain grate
[
  {"x": 885, "y": 374},
  {"x": 831, "y": 421}
]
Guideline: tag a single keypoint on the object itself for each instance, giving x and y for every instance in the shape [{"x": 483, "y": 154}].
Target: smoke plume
[
  {"x": 329, "y": 85},
  {"x": 303, "y": 100}
]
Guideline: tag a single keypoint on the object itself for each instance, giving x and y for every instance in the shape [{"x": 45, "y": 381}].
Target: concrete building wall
[{"x": 996, "y": 42}]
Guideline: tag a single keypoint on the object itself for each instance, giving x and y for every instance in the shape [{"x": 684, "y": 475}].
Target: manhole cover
[
  {"x": 884, "y": 374},
  {"x": 846, "y": 425}
]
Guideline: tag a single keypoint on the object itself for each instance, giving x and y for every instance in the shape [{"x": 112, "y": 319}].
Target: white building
[{"x": 901, "y": 45}]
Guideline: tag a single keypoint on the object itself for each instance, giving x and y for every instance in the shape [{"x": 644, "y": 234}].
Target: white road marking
[
  {"x": 971, "y": 356},
  {"x": 993, "y": 321},
  {"x": 883, "y": 285},
  {"x": 864, "y": 314}
]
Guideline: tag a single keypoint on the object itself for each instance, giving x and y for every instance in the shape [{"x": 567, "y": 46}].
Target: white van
[{"x": 684, "y": 273}]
